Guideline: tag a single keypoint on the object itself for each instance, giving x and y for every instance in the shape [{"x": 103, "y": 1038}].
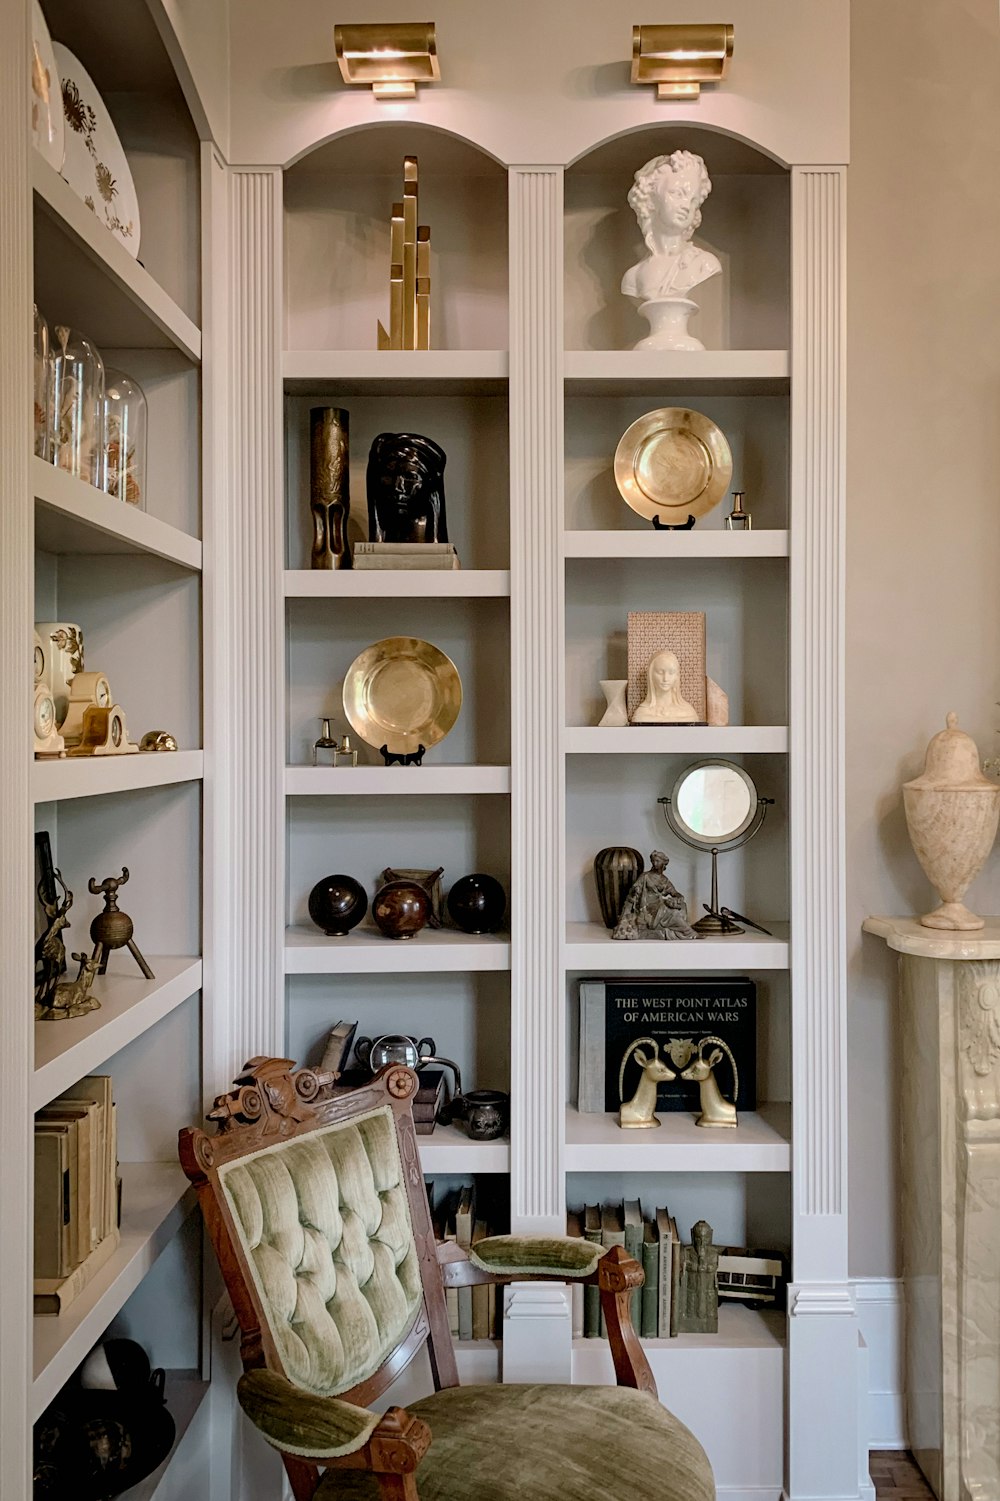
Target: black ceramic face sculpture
[{"x": 406, "y": 489}]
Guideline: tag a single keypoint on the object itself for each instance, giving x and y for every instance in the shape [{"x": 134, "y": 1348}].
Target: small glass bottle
[
  {"x": 76, "y": 400},
  {"x": 41, "y": 419},
  {"x": 124, "y": 468}
]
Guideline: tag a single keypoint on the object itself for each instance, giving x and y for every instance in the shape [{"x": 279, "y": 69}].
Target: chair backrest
[{"x": 317, "y": 1210}]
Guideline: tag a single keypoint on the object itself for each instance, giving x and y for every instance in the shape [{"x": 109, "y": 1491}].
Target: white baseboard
[{"x": 879, "y": 1302}]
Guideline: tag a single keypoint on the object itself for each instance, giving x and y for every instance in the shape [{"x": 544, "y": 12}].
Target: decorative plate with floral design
[
  {"x": 95, "y": 166},
  {"x": 46, "y": 107}
]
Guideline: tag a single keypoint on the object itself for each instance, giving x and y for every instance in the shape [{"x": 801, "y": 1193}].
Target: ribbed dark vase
[{"x": 616, "y": 871}]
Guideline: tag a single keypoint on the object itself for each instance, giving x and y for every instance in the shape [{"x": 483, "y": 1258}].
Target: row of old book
[
  {"x": 472, "y": 1311},
  {"x": 77, "y": 1208},
  {"x": 654, "y": 1243}
]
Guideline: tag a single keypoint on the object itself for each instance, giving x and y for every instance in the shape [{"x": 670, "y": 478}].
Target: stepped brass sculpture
[{"x": 409, "y": 272}]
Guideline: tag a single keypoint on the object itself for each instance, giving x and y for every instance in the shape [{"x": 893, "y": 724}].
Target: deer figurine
[
  {"x": 71, "y": 998},
  {"x": 640, "y": 1109},
  {"x": 715, "y": 1109}
]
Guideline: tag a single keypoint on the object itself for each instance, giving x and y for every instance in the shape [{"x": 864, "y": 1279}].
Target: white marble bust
[
  {"x": 666, "y": 198},
  {"x": 664, "y": 703}
]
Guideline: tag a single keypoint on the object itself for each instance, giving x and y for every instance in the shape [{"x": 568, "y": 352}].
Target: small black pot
[
  {"x": 477, "y": 904},
  {"x": 337, "y": 904}
]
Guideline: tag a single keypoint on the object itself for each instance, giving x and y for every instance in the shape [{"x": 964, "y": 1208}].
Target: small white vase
[
  {"x": 668, "y": 324},
  {"x": 952, "y": 812},
  {"x": 614, "y": 691}
]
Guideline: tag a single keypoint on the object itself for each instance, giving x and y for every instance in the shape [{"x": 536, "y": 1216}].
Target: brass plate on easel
[
  {"x": 673, "y": 463},
  {"x": 402, "y": 693}
]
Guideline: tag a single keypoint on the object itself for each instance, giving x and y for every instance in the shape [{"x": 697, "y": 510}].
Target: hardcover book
[{"x": 676, "y": 1014}]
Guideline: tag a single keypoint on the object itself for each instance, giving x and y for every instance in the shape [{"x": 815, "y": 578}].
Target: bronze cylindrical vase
[
  {"x": 616, "y": 871},
  {"x": 330, "y": 486}
]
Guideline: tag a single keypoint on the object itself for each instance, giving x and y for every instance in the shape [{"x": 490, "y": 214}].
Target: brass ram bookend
[
  {"x": 640, "y": 1110},
  {"x": 716, "y": 1110}
]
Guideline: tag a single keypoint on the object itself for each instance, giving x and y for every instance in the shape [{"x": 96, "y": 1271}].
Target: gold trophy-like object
[{"x": 409, "y": 272}]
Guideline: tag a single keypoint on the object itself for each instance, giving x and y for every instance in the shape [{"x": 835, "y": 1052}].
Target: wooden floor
[{"x": 896, "y": 1477}]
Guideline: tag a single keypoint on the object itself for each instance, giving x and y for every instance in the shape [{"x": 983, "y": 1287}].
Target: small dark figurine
[
  {"x": 401, "y": 758},
  {"x": 329, "y": 487},
  {"x": 50, "y": 951},
  {"x": 697, "y": 1296},
  {"x": 406, "y": 489},
  {"x": 680, "y": 526},
  {"x": 112, "y": 929}
]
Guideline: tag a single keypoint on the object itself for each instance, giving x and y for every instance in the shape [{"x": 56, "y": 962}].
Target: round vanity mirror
[{"x": 714, "y": 801}]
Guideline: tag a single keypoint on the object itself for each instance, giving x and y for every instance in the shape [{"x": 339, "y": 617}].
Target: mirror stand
[{"x": 716, "y": 923}]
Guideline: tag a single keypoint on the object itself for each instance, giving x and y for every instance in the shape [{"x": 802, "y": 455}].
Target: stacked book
[
  {"x": 76, "y": 1192},
  {"x": 472, "y": 1311},
  {"x": 428, "y": 1100},
  {"x": 653, "y": 1243},
  {"x": 407, "y": 555}
]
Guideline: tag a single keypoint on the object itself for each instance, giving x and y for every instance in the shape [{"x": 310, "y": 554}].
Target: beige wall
[{"x": 923, "y": 537}]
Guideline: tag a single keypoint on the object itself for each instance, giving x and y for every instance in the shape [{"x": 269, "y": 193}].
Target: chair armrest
[
  {"x": 558, "y": 1256},
  {"x": 301, "y": 1423}
]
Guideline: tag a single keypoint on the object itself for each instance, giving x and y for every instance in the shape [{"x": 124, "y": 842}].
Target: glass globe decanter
[
  {"x": 124, "y": 468},
  {"x": 75, "y": 401},
  {"x": 42, "y": 442}
]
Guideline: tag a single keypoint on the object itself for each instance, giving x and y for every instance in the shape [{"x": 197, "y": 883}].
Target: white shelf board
[
  {"x": 394, "y": 781},
  {"x": 73, "y": 518},
  {"x": 740, "y": 1328},
  {"x": 761, "y": 1143},
  {"x": 366, "y": 951},
  {"x": 86, "y": 278},
  {"x": 397, "y": 583},
  {"x": 130, "y": 1004},
  {"x": 449, "y": 1150},
  {"x": 357, "y": 372},
  {"x": 92, "y": 776},
  {"x": 642, "y": 372},
  {"x": 764, "y": 543},
  {"x": 590, "y": 947},
  {"x": 156, "y": 1199},
  {"x": 185, "y": 1394},
  {"x": 674, "y": 740}
]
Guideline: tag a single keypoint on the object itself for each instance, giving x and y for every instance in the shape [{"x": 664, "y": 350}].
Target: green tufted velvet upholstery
[
  {"x": 538, "y": 1255},
  {"x": 546, "y": 1443},
  {"x": 325, "y": 1226}
]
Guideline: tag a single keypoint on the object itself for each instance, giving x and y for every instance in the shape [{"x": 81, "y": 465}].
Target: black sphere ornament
[
  {"x": 337, "y": 904},
  {"x": 477, "y": 904}
]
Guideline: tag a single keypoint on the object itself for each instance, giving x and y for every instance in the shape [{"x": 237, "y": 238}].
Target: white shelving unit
[
  {"x": 132, "y": 580},
  {"x": 395, "y": 781},
  {"x": 590, "y": 947},
  {"x": 368, "y": 952},
  {"x": 462, "y": 583}
]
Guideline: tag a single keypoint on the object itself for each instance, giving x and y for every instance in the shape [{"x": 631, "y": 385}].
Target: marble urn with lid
[{"x": 952, "y": 811}]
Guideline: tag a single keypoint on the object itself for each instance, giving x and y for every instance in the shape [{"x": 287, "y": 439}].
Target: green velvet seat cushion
[
  {"x": 560, "y": 1255},
  {"x": 298, "y": 1422},
  {"x": 546, "y": 1443}
]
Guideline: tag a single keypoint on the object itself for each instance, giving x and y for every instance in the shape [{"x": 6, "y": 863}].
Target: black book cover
[{"x": 677, "y": 1014}]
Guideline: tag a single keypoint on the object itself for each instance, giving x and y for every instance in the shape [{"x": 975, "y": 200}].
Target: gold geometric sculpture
[
  {"x": 680, "y": 58},
  {"x": 409, "y": 272},
  {"x": 392, "y": 58}
]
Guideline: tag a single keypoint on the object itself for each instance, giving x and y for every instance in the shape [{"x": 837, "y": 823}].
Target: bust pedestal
[{"x": 949, "y": 1092}]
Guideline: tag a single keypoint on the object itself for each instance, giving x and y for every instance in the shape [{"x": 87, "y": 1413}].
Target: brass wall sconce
[
  {"x": 392, "y": 58},
  {"x": 679, "y": 59}
]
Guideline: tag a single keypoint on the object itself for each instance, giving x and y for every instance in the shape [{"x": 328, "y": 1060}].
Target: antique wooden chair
[{"x": 316, "y": 1207}]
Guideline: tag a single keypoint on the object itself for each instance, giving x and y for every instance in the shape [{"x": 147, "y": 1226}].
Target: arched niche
[
  {"x": 338, "y": 201},
  {"x": 745, "y": 222}
]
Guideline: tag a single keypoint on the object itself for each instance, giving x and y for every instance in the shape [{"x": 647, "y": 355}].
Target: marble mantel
[{"x": 949, "y": 1095}]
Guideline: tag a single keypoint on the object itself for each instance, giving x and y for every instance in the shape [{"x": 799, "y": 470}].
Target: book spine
[
  {"x": 591, "y": 1295},
  {"x": 50, "y": 1299},
  {"x": 633, "y": 1245},
  {"x": 650, "y": 1301}
]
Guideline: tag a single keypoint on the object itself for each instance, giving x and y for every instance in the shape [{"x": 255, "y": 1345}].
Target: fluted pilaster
[
  {"x": 17, "y": 865},
  {"x": 244, "y": 674},
  {"x": 537, "y": 801}
]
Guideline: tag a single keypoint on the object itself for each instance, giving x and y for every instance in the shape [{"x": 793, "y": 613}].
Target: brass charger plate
[
  {"x": 402, "y": 693},
  {"x": 673, "y": 463}
]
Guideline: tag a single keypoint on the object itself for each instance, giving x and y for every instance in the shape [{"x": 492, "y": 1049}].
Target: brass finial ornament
[
  {"x": 390, "y": 58},
  {"x": 679, "y": 59},
  {"x": 409, "y": 272}
]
